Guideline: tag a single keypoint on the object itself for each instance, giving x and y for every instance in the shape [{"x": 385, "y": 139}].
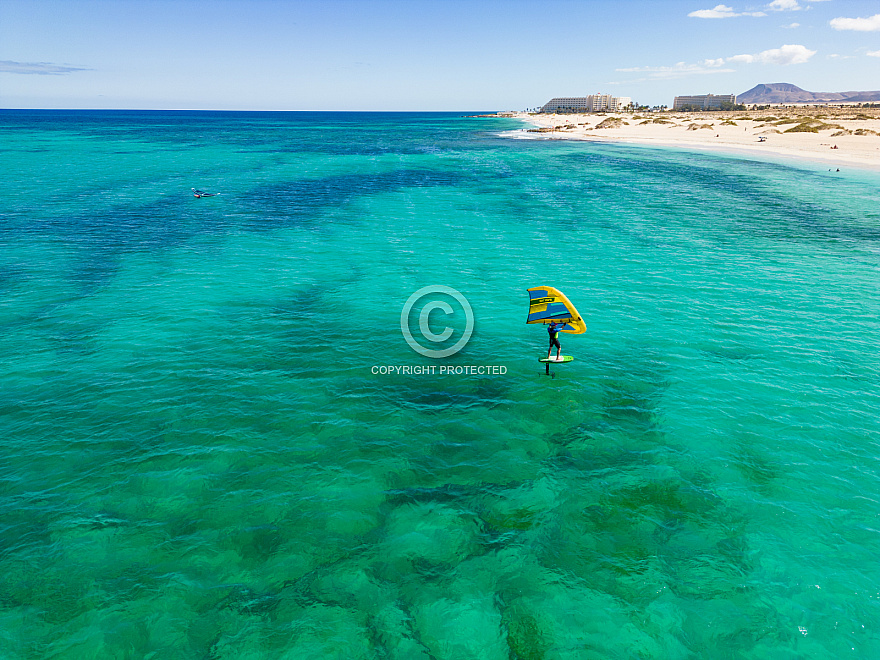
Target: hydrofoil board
[{"x": 553, "y": 360}]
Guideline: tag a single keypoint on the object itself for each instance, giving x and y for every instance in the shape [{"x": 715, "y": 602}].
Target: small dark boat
[{"x": 202, "y": 193}]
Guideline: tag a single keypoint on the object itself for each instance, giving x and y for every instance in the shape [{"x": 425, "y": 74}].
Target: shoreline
[{"x": 731, "y": 132}]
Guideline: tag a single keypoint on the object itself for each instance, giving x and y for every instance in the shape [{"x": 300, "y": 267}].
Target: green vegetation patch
[
  {"x": 803, "y": 128},
  {"x": 728, "y": 122},
  {"x": 813, "y": 126},
  {"x": 866, "y": 131},
  {"x": 610, "y": 122}
]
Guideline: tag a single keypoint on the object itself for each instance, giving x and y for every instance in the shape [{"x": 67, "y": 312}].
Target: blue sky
[{"x": 422, "y": 54}]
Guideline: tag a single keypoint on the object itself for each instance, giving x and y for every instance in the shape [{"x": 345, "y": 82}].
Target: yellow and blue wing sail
[{"x": 548, "y": 304}]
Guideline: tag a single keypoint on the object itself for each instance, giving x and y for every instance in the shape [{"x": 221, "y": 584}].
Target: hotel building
[
  {"x": 704, "y": 101},
  {"x": 591, "y": 103}
]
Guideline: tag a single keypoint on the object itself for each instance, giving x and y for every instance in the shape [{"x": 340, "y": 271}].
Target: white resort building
[
  {"x": 591, "y": 103},
  {"x": 704, "y": 101}
]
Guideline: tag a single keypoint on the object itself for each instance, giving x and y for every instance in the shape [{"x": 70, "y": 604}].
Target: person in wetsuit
[{"x": 553, "y": 330}]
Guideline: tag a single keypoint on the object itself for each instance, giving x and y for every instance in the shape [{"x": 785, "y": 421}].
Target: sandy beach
[{"x": 834, "y": 136}]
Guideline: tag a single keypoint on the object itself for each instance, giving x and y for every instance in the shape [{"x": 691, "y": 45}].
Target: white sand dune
[{"x": 844, "y": 137}]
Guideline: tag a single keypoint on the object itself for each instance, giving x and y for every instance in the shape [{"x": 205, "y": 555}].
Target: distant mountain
[
  {"x": 862, "y": 97},
  {"x": 788, "y": 93}
]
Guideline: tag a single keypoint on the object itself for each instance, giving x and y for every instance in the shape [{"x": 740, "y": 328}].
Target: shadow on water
[
  {"x": 447, "y": 397},
  {"x": 756, "y": 467},
  {"x": 637, "y": 514},
  {"x": 169, "y": 222},
  {"x": 627, "y": 412},
  {"x": 100, "y": 238},
  {"x": 297, "y": 203}
]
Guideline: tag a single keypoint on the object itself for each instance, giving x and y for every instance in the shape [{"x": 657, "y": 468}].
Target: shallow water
[{"x": 198, "y": 459}]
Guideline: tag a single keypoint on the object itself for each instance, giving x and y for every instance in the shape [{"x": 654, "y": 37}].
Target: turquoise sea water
[{"x": 198, "y": 461}]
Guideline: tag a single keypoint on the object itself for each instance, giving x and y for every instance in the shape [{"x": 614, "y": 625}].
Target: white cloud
[
  {"x": 784, "y": 5},
  {"x": 790, "y": 5},
  {"x": 787, "y": 54},
  {"x": 791, "y": 26},
  {"x": 873, "y": 53},
  {"x": 37, "y": 68},
  {"x": 722, "y": 11},
  {"x": 870, "y": 24}
]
